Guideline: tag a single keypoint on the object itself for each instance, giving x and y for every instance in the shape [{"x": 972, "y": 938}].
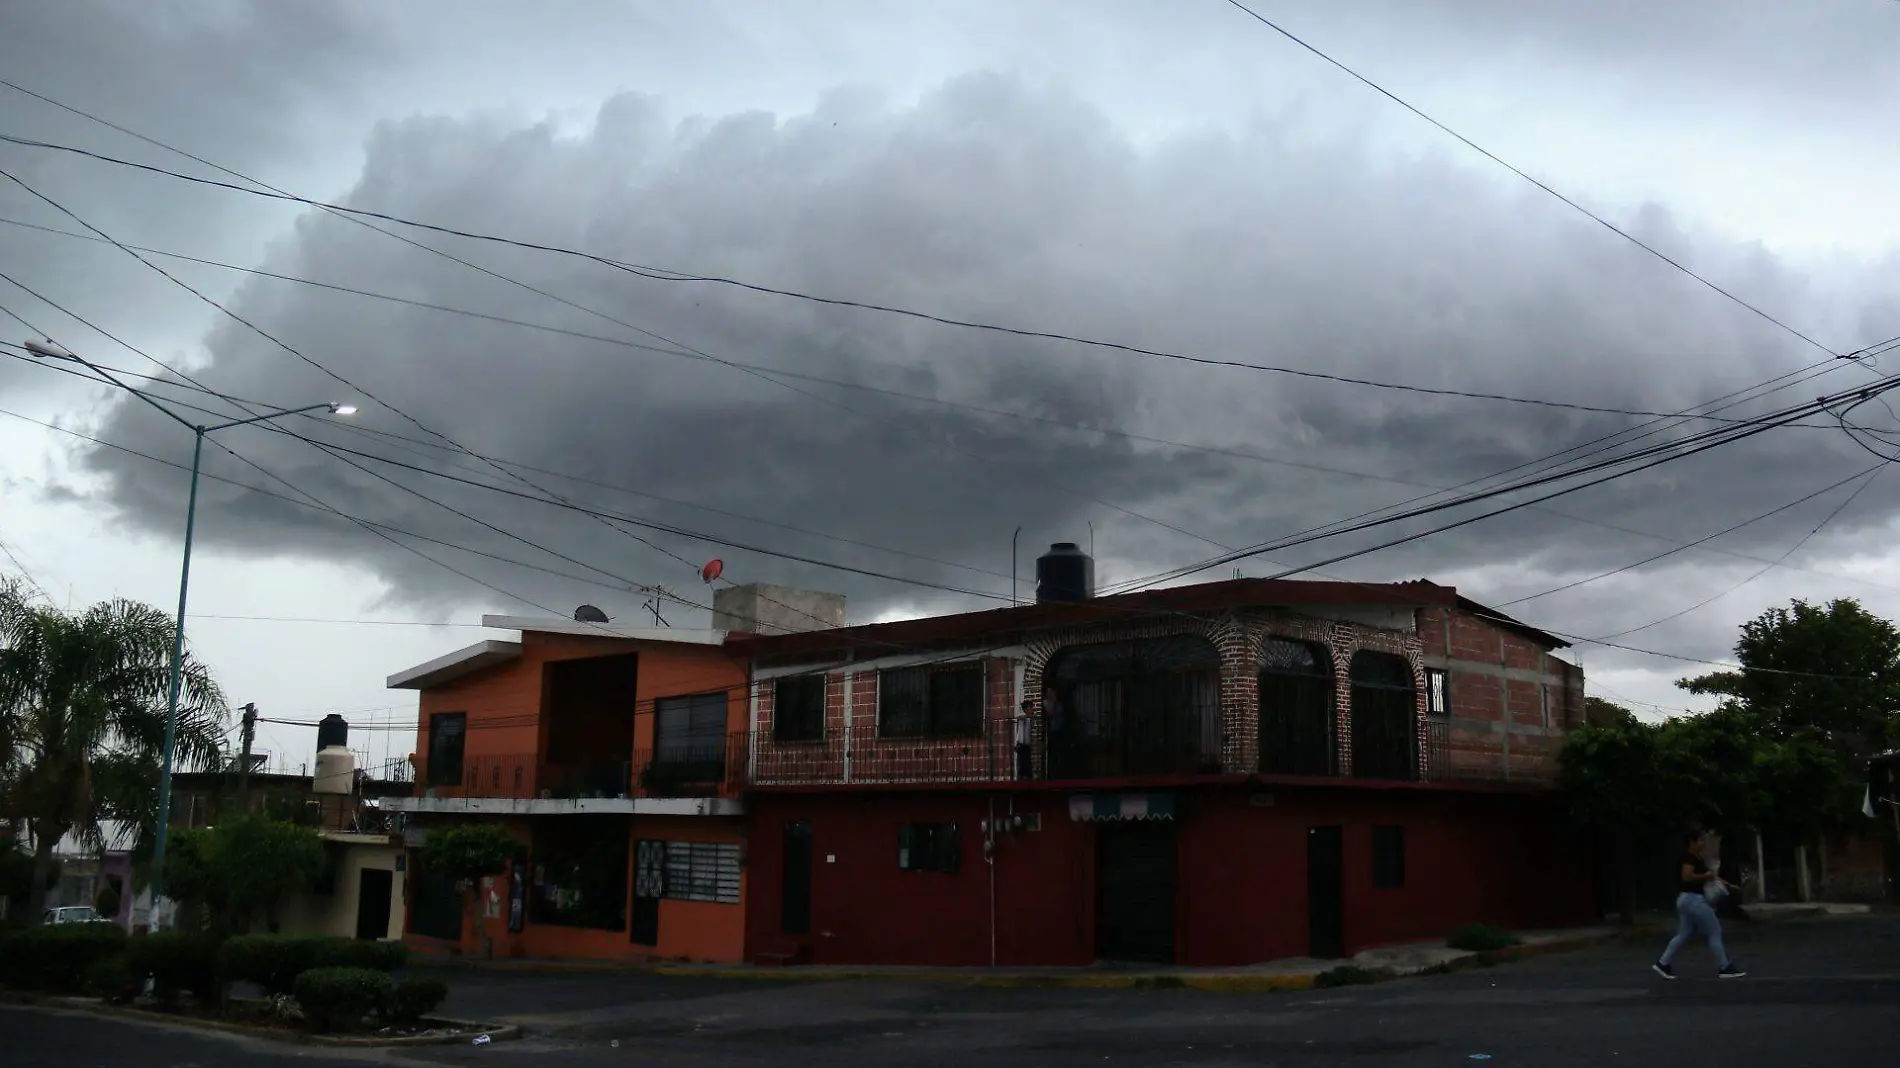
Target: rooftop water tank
[{"x": 1065, "y": 573}]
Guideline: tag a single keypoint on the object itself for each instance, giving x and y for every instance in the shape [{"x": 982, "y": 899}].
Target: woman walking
[{"x": 1694, "y": 914}]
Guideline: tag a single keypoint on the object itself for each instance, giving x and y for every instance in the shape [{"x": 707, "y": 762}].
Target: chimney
[{"x": 763, "y": 609}]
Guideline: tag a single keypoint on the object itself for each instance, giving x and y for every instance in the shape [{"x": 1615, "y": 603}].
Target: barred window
[
  {"x": 930, "y": 702},
  {"x": 798, "y": 708},
  {"x": 703, "y": 871}
]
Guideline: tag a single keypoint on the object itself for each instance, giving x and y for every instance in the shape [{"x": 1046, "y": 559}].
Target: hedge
[
  {"x": 113, "y": 979},
  {"x": 414, "y": 998},
  {"x": 337, "y": 999},
  {"x": 178, "y": 962},
  {"x": 275, "y": 961},
  {"x": 55, "y": 959}
]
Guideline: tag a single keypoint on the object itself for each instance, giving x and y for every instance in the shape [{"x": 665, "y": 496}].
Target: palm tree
[{"x": 82, "y": 720}]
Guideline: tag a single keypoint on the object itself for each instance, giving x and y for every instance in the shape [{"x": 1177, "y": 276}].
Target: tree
[
  {"x": 1611, "y": 774},
  {"x": 228, "y": 876},
  {"x": 465, "y": 853},
  {"x": 83, "y": 701},
  {"x": 1833, "y": 669}
]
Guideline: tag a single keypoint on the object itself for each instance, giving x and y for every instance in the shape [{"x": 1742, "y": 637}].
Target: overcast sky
[{"x": 1172, "y": 176}]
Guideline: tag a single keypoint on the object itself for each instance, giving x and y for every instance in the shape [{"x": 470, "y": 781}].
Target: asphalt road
[{"x": 1820, "y": 993}]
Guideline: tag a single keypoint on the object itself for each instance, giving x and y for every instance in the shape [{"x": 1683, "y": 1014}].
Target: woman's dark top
[{"x": 1697, "y": 867}]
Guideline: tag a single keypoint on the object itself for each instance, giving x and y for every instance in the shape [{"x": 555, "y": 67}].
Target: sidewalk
[{"x": 1296, "y": 973}]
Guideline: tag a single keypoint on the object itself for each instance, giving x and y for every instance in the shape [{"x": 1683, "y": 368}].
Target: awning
[{"x": 1095, "y": 808}]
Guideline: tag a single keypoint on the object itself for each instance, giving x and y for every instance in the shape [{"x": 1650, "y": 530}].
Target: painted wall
[
  {"x": 1505, "y": 859},
  {"x": 506, "y": 705},
  {"x": 335, "y": 913},
  {"x": 689, "y": 930}
]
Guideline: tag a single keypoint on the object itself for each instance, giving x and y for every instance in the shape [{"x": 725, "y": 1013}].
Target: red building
[{"x": 1217, "y": 774}]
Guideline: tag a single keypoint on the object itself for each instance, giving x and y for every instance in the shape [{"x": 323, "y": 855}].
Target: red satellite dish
[{"x": 713, "y": 569}]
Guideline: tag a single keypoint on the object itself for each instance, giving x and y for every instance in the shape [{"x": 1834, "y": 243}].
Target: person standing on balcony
[
  {"x": 1025, "y": 766},
  {"x": 1694, "y": 914}
]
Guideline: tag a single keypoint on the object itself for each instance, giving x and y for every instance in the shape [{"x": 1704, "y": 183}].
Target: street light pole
[{"x": 50, "y": 350}]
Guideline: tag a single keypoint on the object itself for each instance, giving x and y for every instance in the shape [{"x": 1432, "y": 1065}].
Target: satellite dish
[
  {"x": 587, "y": 613},
  {"x": 713, "y": 569}
]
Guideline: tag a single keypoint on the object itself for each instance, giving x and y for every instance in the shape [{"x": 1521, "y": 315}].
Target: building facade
[
  {"x": 608, "y": 752},
  {"x": 1216, "y": 774}
]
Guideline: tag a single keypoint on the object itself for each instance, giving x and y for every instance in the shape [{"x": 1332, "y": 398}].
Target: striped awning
[{"x": 1095, "y": 808}]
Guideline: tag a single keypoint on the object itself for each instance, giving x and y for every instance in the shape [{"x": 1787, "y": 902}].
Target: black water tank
[
  {"x": 1064, "y": 573},
  {"x": 332, "y": 730}
]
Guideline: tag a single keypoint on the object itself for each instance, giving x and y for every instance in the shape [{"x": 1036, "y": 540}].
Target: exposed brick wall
[{"x": 1481, "y": 705}]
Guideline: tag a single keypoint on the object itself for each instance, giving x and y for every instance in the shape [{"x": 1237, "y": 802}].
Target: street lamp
[{"x": 50, "y": 350}]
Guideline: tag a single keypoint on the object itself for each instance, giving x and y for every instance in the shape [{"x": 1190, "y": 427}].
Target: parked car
[{"x": 73, "y": 914}]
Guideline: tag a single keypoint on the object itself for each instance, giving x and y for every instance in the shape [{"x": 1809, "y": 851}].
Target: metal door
[
  {"x": 1325, "y": 892},
  {"x": 649, "y": 885},
  {"x": 795, "y": 893},
  {"x": 1135, "y": 888}
]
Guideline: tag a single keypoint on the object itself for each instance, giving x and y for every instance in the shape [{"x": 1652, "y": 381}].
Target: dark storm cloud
[{"x": 994, "y": 200}]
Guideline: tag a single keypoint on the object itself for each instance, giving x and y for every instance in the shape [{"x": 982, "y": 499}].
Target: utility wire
[
  {"x": 662, "y": 274},
  {"x": 1493, "y": 157},
  {"x": 1730, "y": 529},
  {"x": 1873, "y": 475}
]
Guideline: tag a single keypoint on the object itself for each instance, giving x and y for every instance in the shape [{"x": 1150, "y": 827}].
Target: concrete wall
[
  {"x": 335, "y": 913},
  {"x": 763, "y": 609}
]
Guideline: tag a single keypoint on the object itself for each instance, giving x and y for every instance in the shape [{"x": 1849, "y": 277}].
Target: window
[
  {"x": 1296, "y": 709},
  {"x": 579, "y": 875},
  {"x": 703, "y": 871},
  {"x": 1384, "y": 717},
  {"x": 930, "y": 702},
  {"x": 929, "y": 847},
  {"x": 447, "y": 733},
  {"x": 1148, "y": 707},
  {"x": 690, "y": 729},
  {"x": 1437, "y": 692},
  {"x": 1388, "y": 858},
  {"x": 798, "y": 708}
]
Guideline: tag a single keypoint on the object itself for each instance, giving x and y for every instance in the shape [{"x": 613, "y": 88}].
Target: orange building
[{"x": 607, "y": 750}]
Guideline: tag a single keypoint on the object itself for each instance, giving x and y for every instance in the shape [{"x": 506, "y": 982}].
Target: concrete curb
[{"x": 496, "y": 1033}]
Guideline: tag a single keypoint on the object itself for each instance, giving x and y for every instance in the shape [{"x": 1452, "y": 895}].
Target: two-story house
[
  {"x": 613, "y": 753},
  {"x": 1214, "y": 774}
]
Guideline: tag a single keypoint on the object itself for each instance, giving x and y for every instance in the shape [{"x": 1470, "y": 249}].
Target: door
[
  {"x": 649, "y": 883},
  {"x": 1325, "y": 890},
  {"x": 374, "y": 891},
  {"x": 795, "y": 892},
  {"x": 1135, "y": 876}
]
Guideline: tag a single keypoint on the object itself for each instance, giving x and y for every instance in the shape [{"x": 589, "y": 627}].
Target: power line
[
  {"x": 1493, "y": 157},
  {"x": 1873, "y": 475},
  {"x": 661, "y": 274},
  {"x": 1730, "y": 529}
]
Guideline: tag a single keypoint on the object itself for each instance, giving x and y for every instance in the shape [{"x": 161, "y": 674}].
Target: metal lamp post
[{"x": 50, "y": 350}]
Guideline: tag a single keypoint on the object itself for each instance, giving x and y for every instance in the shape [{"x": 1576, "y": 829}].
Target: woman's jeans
[{"x": 1694, "y": 915}]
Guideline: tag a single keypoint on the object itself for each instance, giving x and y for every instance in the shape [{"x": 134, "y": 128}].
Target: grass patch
[{"x": 1481, "y": 938}]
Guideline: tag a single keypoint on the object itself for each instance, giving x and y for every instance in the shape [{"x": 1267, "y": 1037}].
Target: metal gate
[
  {"x": 1135, "y": 889},
  {"x": 649, "y": 885}
]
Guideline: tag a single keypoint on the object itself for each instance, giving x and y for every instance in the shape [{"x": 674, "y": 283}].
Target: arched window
[
  {"x": 1296, "y": 709},
  {"x": 1384, "y": 717},
  {"x": 1147, "y": 707}
]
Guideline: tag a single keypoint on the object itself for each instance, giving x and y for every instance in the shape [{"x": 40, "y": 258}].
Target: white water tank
[{"x": 336, "y": 771}]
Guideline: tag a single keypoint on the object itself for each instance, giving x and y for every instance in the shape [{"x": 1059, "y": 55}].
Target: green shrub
[
  {"x": 274, "y": 961},
  {"x": 354, "y": 953},
  {"x": 1480, "y": 938},
  {"x": 178, "y": 962},
  {"x": 414, "y": 998},
  {"x": 55, "y": 959},
  {"x": 337, "y": 999},
  {"x": 1345, "y": 975},
  {"x": 113, "y": 979}
]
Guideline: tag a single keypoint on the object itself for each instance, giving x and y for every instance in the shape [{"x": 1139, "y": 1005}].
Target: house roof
[
  {"x": 1006, "y": 623},
  {"x": 482, "y": 654}
]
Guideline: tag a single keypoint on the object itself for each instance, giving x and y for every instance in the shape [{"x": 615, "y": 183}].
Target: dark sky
[{"x": 1174, "y": 178}]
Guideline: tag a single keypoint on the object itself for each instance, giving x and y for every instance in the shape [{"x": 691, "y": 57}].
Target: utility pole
[{"x": 244, "y": 762}]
